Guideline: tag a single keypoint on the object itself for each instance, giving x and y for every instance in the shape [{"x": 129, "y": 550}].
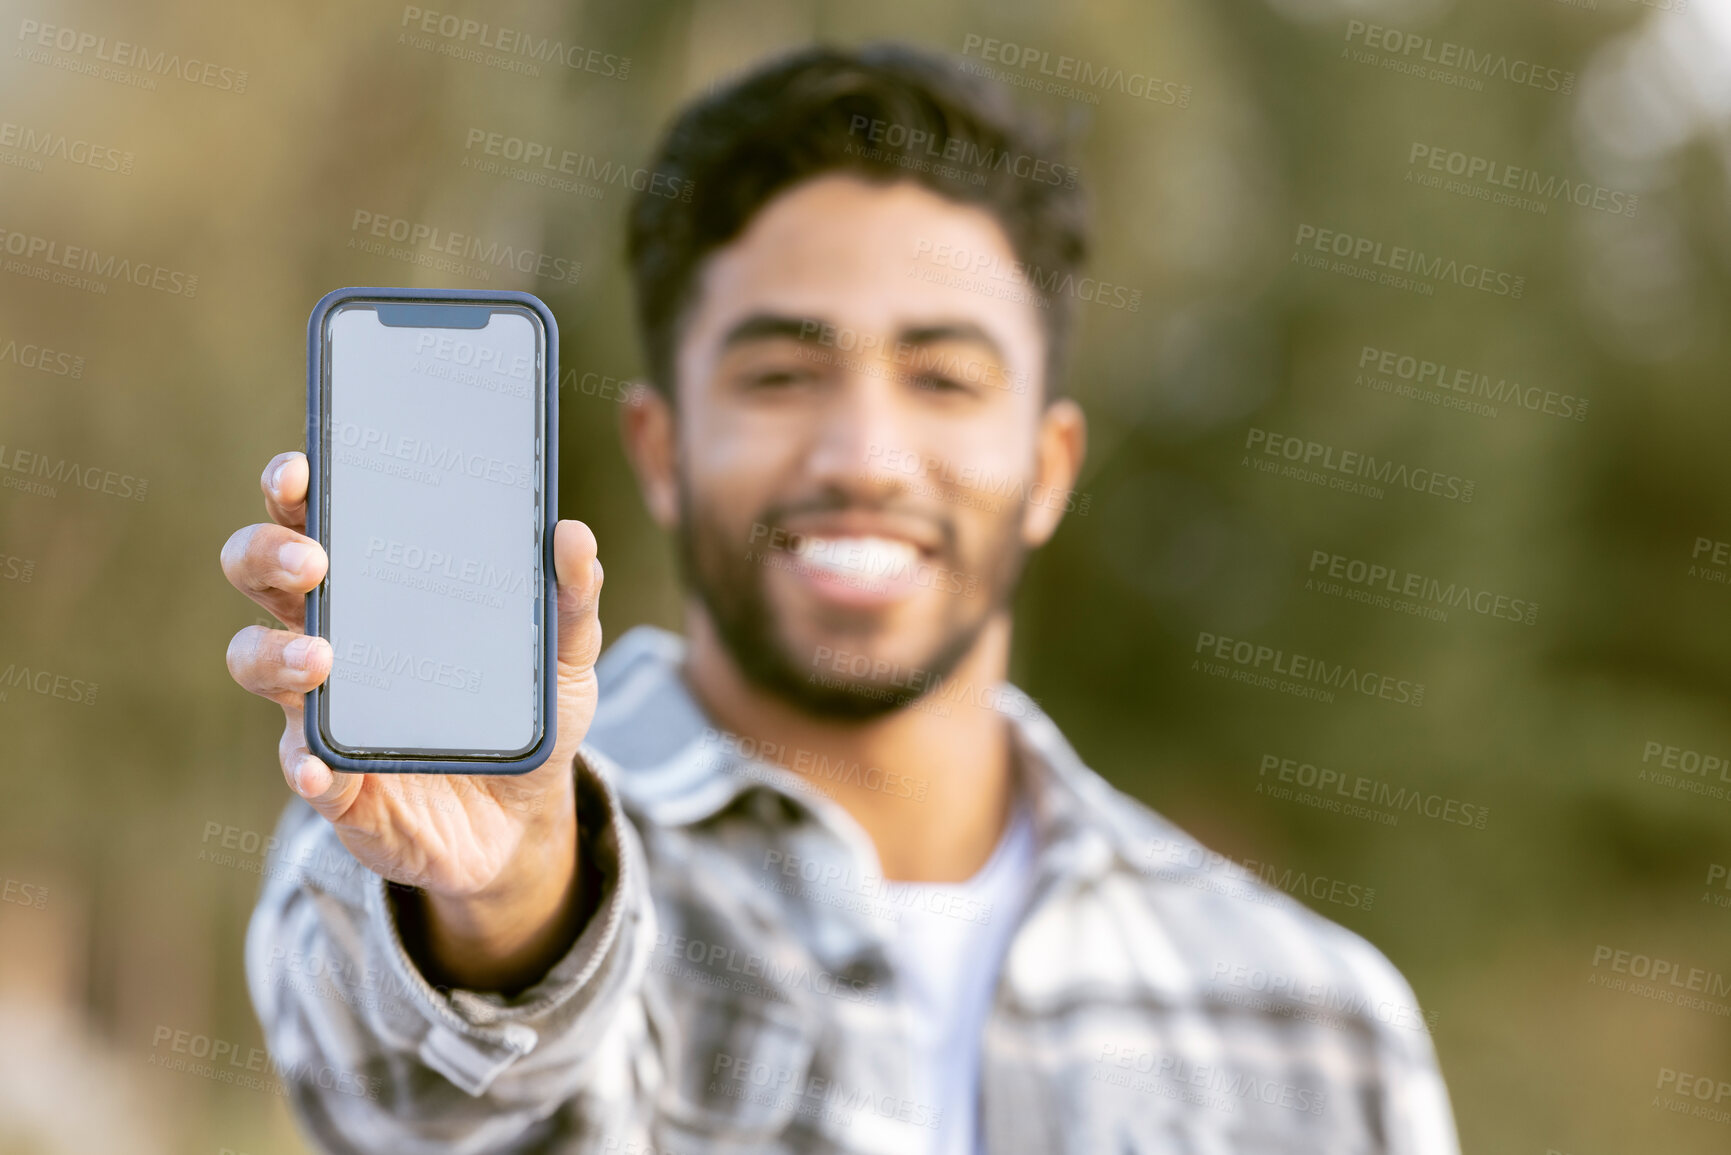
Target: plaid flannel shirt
[{"x": 732, "y": 992}]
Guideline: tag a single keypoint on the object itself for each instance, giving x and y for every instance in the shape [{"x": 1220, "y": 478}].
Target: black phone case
[{"x": 317, "y": 493}]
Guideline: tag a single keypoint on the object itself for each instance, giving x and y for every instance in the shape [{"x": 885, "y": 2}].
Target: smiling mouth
[{"x": 860, "y": 556}]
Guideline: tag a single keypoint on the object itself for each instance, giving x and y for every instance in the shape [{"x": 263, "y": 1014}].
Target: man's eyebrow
[
  {"x": 951, "y": 331},
  {"x": 773, "y": 326}
]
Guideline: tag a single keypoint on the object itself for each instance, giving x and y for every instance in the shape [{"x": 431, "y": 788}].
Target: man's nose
[{"x": 864, "y": 431}]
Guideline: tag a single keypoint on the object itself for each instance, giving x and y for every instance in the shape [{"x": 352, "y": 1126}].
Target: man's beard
[{"x": 732, "y": 586}]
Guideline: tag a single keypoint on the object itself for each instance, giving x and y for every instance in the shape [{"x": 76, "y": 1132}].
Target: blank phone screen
[{"x": 433, "y": 508}]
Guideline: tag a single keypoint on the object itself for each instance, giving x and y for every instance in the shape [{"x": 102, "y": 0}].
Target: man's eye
[
  {"x": 938, "y": 383},
  {"x": 779, "y": 378}
]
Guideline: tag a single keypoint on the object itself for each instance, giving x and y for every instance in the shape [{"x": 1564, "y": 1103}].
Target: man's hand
[{"x": 495, "y": 855}]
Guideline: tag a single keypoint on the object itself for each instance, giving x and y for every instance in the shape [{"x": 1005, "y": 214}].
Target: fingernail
[
  {"x": 276, "y": 478},
  {"x": 300, "y": 774},
  {"x": 294, "y": 556},
  {"x": 297, "y": 652}
]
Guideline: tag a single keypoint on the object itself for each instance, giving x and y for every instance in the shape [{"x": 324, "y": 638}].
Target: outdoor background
[{"x": 131, "y": 819}]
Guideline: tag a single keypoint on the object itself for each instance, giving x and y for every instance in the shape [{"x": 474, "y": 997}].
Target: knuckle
[
  {"x": 245, "y": 559},
  {"x": 290, "y": 514},
  {"x": 243, "y": 652},
  {"x": 234, "y": 553},
  {"x": 289, "y": 749}
]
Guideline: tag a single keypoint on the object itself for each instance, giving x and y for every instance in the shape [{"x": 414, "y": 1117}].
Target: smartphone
[{"x": 432, "y": 420}]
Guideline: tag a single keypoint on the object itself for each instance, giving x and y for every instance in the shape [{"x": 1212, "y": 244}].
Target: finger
[
  {"x": 284, "y": 482},
  {"x": 277, "y": 664},
  {"x": 579, "y": 574},
  {"x": 330, "y": 793},
  {"x": 275, "y": 567}
]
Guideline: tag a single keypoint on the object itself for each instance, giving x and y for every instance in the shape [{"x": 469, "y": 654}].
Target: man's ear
[
  {"x": 1061, "y": 445},
  {"x": 646, "y": 426}
]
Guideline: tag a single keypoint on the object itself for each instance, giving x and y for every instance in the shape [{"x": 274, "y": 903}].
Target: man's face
[{"x": 857, "y": 428}]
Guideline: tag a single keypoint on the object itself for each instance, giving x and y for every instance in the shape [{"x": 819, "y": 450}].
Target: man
[{"x": 812, "y": 878}]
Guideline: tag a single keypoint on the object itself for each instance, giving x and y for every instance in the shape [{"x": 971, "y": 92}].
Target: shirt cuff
[{"x": 474, "y": 1036}]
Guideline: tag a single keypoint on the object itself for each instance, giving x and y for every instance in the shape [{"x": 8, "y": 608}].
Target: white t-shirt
[{"x": 946, "y": 952}]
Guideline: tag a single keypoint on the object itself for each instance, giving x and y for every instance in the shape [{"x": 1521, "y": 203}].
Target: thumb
[{"x": 579, "y": 574}]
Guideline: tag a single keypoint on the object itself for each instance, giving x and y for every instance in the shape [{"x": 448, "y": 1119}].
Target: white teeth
[{"x": 863, "y": 556}]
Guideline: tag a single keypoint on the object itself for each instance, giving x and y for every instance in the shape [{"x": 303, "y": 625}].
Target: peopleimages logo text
[
  {"x": 1455, "y": 379},
  {"x": 1040, "y": 63},
  {"x": 1400, "y": 259},
  {"x": 1317, "y": 454},
  {"x": 962, "y": 152},
  {"x": 1303, "y": 669},
  {"x": 46, "y": 144},
  {"x": 514, "y": 42},
  {"x": 1447, "y": 54},
  {"x": 1495, "y": 173},
  {"x": 466, "y": 246},
  {"x": 107, "y": 266},
  {"x": 123, "y": 54}
]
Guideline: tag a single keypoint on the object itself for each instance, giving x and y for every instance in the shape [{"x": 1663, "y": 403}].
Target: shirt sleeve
[
  {"x": 1422, "y": 1120},
  {"x": 376, "y": 1059},
  {"x": 1408, "y": 1087}
]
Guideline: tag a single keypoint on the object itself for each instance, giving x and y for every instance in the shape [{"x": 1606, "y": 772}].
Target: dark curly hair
[{"x": 885, "y": 113}]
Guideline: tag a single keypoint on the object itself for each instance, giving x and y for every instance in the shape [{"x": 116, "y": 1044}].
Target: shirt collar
[{"x": 677, "y": 768}]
